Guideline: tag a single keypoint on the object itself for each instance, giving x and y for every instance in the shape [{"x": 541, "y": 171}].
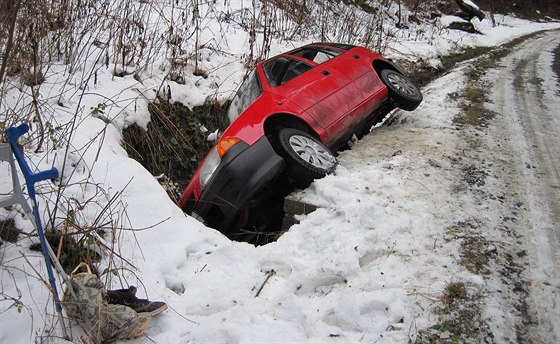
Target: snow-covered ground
[{"x": 365, "y": 267}]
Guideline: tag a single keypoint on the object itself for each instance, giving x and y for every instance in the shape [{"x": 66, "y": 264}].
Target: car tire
[
  {"x": 401, "y": 89},
  {"x": 306, "y": 157}
]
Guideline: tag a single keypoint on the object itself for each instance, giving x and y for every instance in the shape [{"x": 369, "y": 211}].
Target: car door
[
  {"x": 323, "y": 92},
  {"x": 367, "y": 90}
]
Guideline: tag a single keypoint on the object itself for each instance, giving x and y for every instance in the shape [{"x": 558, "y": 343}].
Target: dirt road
[{"x": 526, "y": 135}]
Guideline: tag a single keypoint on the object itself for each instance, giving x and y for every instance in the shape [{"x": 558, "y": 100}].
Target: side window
[
  {"x": 321, "y": 57},
  {"x": 296, "y": 68},
  {"x": 317, "y": 54},
  {"x": 284, "y": 69}
]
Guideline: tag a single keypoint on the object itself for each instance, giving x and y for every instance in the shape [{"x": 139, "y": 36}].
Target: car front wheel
[
  {"x": 306, "y": 157},
  {"x": 401, "y": 89}
]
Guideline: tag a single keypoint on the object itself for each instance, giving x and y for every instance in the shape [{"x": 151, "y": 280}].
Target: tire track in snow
[{"x": 530, "y": 124}]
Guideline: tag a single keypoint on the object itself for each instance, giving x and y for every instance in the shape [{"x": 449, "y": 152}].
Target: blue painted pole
[{"x": 31, "y": 178}]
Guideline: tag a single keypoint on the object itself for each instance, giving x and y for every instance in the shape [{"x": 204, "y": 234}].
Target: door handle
[{"x": 326, "y": 72}]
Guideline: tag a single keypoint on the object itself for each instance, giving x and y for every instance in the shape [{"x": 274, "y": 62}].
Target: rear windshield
[{"x": 247, "y": 93}]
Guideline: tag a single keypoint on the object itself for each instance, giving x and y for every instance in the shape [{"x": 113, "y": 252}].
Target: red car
[{"x": 286, "y": 120}]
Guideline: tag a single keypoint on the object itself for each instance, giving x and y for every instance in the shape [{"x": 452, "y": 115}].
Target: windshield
[{"x": 247, "y": 93}]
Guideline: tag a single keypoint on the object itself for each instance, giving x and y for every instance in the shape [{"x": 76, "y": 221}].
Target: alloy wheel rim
[
  {"x": 312, "y": 152},
  {"x": 402, "y": 84}
]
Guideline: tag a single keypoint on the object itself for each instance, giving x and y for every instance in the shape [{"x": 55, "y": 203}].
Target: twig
[
  {"x": 182, "y": 316},
  {"x": 268, "y": 275},
  {"x": 9, "y": 43}
]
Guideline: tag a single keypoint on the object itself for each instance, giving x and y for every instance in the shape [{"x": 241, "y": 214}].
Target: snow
[
  {"x": 470, "y": 4},
  {"x": 365, "y": 267},
  {"x": 448, "y": 19}
]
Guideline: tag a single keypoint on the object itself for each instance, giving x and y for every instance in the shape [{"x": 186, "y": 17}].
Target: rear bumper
[{"x": 240, "y": 181}]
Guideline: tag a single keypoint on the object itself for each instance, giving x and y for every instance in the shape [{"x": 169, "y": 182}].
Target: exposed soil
[
  {"x": 531, "y": 9},
  {"x": 556, "y": 65}
]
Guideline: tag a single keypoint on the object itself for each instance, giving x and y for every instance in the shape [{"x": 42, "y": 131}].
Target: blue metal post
[{"x": 31, "y": 178}]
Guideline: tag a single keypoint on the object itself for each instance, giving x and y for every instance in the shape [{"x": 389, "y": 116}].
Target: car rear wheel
[
  {"x": 306, "y": 157},
  {"x": 401, "y": 89}
]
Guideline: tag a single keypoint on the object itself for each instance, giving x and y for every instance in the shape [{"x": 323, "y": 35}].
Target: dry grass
[
  {"x": 460, "y": 318},
  {"x": 174, "y": 144}
]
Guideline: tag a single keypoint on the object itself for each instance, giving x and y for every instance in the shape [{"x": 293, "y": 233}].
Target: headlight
[
  {"x": 210, "y": 165},
  {"x": 214, "y": 158}
]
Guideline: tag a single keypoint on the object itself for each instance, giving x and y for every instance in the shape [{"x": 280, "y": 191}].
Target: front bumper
[{"x": 241, "y": 180}]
